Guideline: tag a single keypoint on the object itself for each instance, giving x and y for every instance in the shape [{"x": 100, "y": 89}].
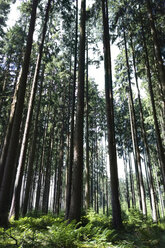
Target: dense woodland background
[{"x": 59, "y": 133}]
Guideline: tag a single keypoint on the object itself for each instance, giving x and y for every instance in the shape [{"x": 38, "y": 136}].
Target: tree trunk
[
  {"x": 8, "y": 134},
  {"x": 160, "y": 196},
  {"x": 77, "y": 181},
  {"x": 45, "y": 201},
  {"x": 126, "y": 180},
  {"x": 69, "y": 172},
  {"x": 46, "y": 190},
  {"x": 59, "y": 176},
  {"x": 157, "y": 130},
  {"x": 87, "y": 186},
  {"x": 107, "y": 197},
  {"x": 15, "y": 121},
  {"x": 18, "y": 182},
  {"x": 92, "y": 177},
  {"x": 156, "y": 46},
  {"x": 149, "y": 171},
  {"x": 140, "y": 183},
  {"x": 97, "y": 172},
  {"x": 131, "y": 181},
  {"x": 31, "y": 103},
  {"x": 116, "y": 209},
  {"x": 41, "y": 164}
]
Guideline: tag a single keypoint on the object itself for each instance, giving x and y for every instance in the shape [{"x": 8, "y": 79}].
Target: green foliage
[
  {"x": 97, "y": 220},
  {"x": 94, "y": 231},
  {"x": 140, "y": 231},
  {"x": 63, "y": 235}
]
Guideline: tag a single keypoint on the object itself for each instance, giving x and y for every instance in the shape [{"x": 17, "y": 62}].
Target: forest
[{"x": 65, "y": 139}]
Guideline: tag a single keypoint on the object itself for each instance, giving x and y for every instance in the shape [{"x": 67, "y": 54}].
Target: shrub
[{"x": 62, "y": 235}]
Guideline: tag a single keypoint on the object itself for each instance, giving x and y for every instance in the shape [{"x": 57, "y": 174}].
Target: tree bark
[
  {"x": 40, "y": 173},
  {"x": 87, "y": 186},
  {"x": 126, "y": 180},
  {"x": 59, "y": 175},
  {"x": 142, "y": 198},
  {"x": 46, "y": 191},
  {"x": 69, "y": 172},
  {"x": 18, "y": 182},
  {"x": 15, "y": 121},
  {"x": 116, "y": 209},
  {"x": 149, "y": 170},
  {"x": 31, "y": 104},
  {"x": 77, "y": 179},
  {"x": 131, "y": 181},
  {"x": 157, "y": 130},
  {"x": 156, "y": 46}
]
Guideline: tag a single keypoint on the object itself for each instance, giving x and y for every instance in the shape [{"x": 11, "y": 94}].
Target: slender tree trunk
[
  {"x": 131, "y": 181},
  {"x": 31, "y": 102},
  {"x": 97, "y": 191},
  {"x": 6, "y": 78},
  {"x": 134, "y": 137},
  {"x": 15, "y": 121},
  {"x": 34, "y": 180},
  {"x": 38, "y": 191},
  {"x": 59, "y": 177},
  {"x": 106, "y": 182},
  {"x": 92, "y": 177},
  {"x": 55, "y": 176},
  {"x": 87, "y": 186},
  {"x": 77, "y": 181},
  {"x": 46, "y": 191},
  {"x": 135, "y": 157},
  {"x": 160, "y": 196},
  {"x": 149, "y": 170},
  {"x": 126, "y": 180},
  {"x": 8, "y": 133},
  {"x": 157, "y": 130},
  {"x": 18, "y": 182},
  {"x": 156, "y": 46},
  {"x": 107, "y": 197},
  {"x": 40, "y": 173},
  {"x": 116, "y": 209},
  {"x": 97, "y": 172},
  {"x": 69, "y": 173},
  {"x": 54, "y": 190},
  {"x": 103, "y": 196},
  {"x": 12, "y": 209},
  {"x": 162, "y": 99},
  {"x": 102, "y": 182}
]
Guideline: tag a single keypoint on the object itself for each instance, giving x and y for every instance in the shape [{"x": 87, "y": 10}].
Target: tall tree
[
  {"x": 70, "y": 165},
  {"x": 156, "y": 45},
  {"x": 140, "y": 183},
  {"x": 116, "y": 209},
  {"x": 159, "y": 144},
  {"x": 149, "y": 165},
  {"x": 31, "y": 104},
  {"x": 87, "y": 186},
  {"x": 77, "y": 181},
  {"x": 11, "y": 144}
]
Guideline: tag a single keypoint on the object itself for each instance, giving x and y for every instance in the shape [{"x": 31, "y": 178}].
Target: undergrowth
[{"x": 94, "y": 230}]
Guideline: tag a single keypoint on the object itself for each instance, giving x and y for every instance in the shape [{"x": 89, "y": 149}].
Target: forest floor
[{"x": 94, "y": 230}]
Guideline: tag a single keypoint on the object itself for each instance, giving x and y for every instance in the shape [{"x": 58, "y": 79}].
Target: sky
[
  {"x": 98, "y": 73},
  {"x": 14, "y": 14}
]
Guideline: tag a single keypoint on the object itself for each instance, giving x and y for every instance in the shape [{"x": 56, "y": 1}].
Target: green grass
[{"x": 94, "y": 230}]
